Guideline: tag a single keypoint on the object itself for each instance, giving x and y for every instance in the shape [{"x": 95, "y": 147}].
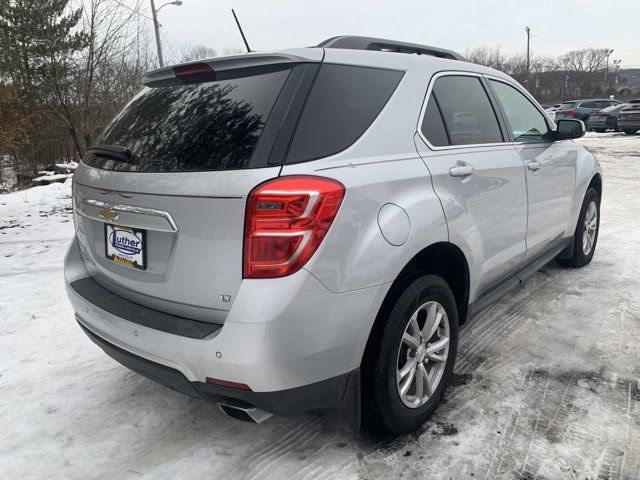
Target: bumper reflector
[{"x": 226, "y": 383}]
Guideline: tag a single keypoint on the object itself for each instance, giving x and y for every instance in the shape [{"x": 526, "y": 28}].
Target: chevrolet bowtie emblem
[{"x": 108, "y": 214}]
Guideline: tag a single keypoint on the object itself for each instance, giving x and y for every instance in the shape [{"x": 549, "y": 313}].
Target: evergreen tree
[
  {"x": 38, "y": 38},
  {"x": 35, "y": 37}
]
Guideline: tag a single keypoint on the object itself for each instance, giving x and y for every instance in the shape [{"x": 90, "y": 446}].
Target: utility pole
[
  {"x": 156, "y": 27},
  {"x": 606, "y": 72},
  {"x": 616, "y": 67},
  {"x": 528, "y": 30}
]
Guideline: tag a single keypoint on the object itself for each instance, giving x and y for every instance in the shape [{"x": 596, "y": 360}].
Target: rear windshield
[
  {"x": 196, "y": 127},
  {"x": 566, "y": 105}
]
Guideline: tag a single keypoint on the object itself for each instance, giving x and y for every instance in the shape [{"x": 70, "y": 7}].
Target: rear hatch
[
  {"x": 160, "y": 198},
  {"x": 630, "y": 113}
]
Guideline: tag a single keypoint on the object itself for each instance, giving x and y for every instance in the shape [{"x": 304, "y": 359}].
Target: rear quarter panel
[
  {"x": 381, "y": 167},
  {"x": 355, "y": 254}
]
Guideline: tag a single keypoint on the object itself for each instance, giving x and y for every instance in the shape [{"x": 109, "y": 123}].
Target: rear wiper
[{"x": 122, "y": 154}]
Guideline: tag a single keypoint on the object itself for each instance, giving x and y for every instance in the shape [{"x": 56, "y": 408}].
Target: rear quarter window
[{"x": 342, "y": 104}]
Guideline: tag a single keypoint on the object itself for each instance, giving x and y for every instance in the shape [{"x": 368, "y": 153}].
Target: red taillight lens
[
  {"x": 286, "y": 220},
  {"x": 571, "y": 113}
]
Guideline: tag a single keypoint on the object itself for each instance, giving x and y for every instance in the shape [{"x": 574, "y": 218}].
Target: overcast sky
[{"x": 453, "y": 24}]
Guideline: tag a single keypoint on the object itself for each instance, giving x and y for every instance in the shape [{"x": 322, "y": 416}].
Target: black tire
[
  {"x": 579, "y": 258},
  {"x": 630, "y": 132},
  {"x": 383, "y": 408}
]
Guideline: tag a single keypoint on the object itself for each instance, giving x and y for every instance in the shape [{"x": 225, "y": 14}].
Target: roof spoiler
[
  {"x": 220, "y": 68},
  {"x": 382, "y": 45}
]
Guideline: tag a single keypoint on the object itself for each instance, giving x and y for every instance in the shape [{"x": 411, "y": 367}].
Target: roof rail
[{"x": 382, "y": 45}]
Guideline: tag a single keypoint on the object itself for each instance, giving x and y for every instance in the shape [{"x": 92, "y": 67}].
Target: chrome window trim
[
  {"x": 552, "y": 126},
  {"x": 449, "y": 73}
]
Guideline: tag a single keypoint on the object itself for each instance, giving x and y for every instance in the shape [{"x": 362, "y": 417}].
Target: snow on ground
[{"x": 547, "y": 381}]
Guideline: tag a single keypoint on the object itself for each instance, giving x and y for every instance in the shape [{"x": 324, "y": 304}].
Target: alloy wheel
[
  {"x": 590, "y": 228},
  {"x": 423, "y": 353}
]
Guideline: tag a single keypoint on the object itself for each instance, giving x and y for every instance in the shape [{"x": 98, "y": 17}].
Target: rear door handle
[
  {"x": 461, "y": 170},
  {"x": 534, "y": 165}
]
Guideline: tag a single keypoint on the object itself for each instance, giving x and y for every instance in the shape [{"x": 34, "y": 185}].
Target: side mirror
[{"x": 569, "y": 129}]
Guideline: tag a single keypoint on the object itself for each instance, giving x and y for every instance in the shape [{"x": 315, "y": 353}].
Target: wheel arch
[
  {"x": 596, "y": 182},
  {"x": 444, "y": 259}
]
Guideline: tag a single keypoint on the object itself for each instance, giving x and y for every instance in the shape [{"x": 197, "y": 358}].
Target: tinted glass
[
  {"x": 342, "y": 104},
  {"x": 589, "y": 105},
  {"x": 203, "y": 126},
  {"x": 526, "y": 121},
  {"x": 567, "y": 105},
  {"x": 433, "y": 126},
  {"x": 466, "y": 110}
]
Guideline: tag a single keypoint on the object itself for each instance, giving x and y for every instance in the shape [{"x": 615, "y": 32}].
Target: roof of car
[
  {"x": 593, "y": 100},
  {"x": 353, "y": 42},
  {"x": 364, "y": 51}
]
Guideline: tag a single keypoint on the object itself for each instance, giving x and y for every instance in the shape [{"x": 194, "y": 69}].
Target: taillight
[
  {"x": 286, "y": 220},
  {"x": 571, "y": 113}
]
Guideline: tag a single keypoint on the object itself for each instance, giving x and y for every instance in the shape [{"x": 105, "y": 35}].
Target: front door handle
[
  {"x": 534, "y": 165},
  {"x": 461, "y": 170}
]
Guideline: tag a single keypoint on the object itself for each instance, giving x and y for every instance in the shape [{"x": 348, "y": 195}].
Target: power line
[
  {"x": 166, "y": 40},
  {"x": 580, "y": 44},
  {"x": 137, "y": 12}
]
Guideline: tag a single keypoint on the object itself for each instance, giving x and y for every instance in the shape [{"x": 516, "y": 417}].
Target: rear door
[
  {"x": 550, "y": 168},
  {"x": 479, "y": 178},
  {"x": 160, "y": 200}
]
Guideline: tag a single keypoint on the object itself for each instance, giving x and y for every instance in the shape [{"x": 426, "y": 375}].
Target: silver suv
[{"x": 308, "y": 229}]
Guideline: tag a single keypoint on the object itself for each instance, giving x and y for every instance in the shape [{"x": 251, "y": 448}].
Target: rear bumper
[
  {"x": 628, "y": 124},
  {"x": 288, "y": 337},
  {"x": 600, "y": 124},
  {"x": 334, "y": 393}
]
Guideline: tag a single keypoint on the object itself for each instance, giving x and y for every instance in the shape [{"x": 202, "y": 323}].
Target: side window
[
  {"x": 433, "y": 126},
  {"x": 466, "y": 110},
  {"x": 527, "y": 123},
  {"x": 343, "y": 102},
  {"x": 588, "y": 105}
]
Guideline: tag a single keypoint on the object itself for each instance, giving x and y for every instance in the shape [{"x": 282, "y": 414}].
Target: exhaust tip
[{"x": 245, "y": 414}]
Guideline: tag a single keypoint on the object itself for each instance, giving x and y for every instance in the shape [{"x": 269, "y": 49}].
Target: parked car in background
[
  {"x": 605, "y": 119},
  {"x": 581, "y": 109},
  {"x": 629, "y": 119},
  {"x": 551, "y": 111}
]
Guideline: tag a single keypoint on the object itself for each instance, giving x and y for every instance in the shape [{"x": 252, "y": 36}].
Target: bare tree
[{"x": 197, "y": 52}]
